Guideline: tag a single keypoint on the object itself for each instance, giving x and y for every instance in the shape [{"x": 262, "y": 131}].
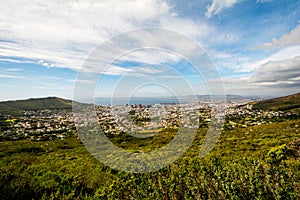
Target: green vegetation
[
  {"x": 257, "y": 162},
  {"x": 51, "y": 103},
  {"x": 288, "y": 103},
  {"x": 256, "y": 157}
]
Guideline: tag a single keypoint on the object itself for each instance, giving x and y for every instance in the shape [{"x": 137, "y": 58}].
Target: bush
[{"x": 278, "y": 154}]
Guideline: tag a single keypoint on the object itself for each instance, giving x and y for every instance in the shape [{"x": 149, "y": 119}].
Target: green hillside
[
  {"x": 287, "y": 103},
  {"x": 257, "y": 162},
  {"x": 52, "y": 103}
]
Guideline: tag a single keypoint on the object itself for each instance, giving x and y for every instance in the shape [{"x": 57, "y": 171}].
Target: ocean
[{"x": 143, "y": 101}]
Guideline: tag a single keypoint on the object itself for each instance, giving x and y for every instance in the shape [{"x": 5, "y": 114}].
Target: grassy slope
[
  {"x": 286, "y": 103},
  {"x": 52, "y": 103},
  {"x": 237, "y": 168},
  {"x": 65, "y": 169}
]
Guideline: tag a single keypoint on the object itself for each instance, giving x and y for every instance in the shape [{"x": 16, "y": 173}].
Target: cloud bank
[
  {"x": 63, "y": 33},
  {"x": 290, "y": 39}
]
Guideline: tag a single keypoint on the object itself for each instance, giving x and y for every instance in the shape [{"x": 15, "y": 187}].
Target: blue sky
[{"x": 255, "y": 45}]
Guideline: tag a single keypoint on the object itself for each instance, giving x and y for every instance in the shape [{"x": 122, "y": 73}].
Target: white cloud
[
  {"x": 284, "y": 54},
  {"x": 79, "y": 81},
  {"x": 10, "y": 76},
  {"x": 52, "y": 78},
  {"x": 287, "y": 71},
  {"x": 263, "y": 1},
  {"x": 11, "y": 73},
  {"x": 290, "y": 39},
  {"x": 218, "y": 5},
  {"x": 63, "y": 33},
  {"x": 13, "y": 69},
  {"x": 277, "y": 77}
]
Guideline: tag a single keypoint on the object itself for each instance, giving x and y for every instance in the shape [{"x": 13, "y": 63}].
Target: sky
[{"x": 253, "y": 47}]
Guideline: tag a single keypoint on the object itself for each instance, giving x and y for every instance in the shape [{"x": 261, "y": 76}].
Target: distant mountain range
[
  {"x": 173, "y": 99},
  {"x": 287, "y": 103}
]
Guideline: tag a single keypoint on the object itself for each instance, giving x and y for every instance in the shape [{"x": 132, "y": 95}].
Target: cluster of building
[
  {"x": 38, "y": 125},
  {"x": 47, "y": 124},
  {"x": 244, "y": 115},
  {"x": 133, "y": 118}
]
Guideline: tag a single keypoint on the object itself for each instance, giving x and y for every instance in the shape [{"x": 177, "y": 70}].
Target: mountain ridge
[
  {"x": 51, "y": 103},
  {"x": 285, "y": 103}
]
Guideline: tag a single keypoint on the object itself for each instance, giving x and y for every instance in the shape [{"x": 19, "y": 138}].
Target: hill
[
  {"x": 287, "y": 103},
  {"x": 51, "y": 103}
]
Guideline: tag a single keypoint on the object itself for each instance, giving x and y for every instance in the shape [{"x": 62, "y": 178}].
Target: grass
[
  {"x": 288, "y": 103},
  {"x": 52, "y": 103},
  {"x": 239, "y": 167}
]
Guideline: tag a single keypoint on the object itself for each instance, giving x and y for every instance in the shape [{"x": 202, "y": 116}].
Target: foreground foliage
[{"x": 259, "y": 162}]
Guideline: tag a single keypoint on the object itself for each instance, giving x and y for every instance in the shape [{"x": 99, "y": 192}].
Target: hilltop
[
  {"x": 51, "y": 103},
  {"x": 287, "y": 103}
]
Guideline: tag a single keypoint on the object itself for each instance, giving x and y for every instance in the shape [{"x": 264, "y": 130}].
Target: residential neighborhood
[
  {"x": 38, "y": 125},
  {"x": 48, "y": 124}
]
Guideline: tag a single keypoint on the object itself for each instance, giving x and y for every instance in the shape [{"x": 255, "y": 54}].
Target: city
[{"x": 48, "y": 124}]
